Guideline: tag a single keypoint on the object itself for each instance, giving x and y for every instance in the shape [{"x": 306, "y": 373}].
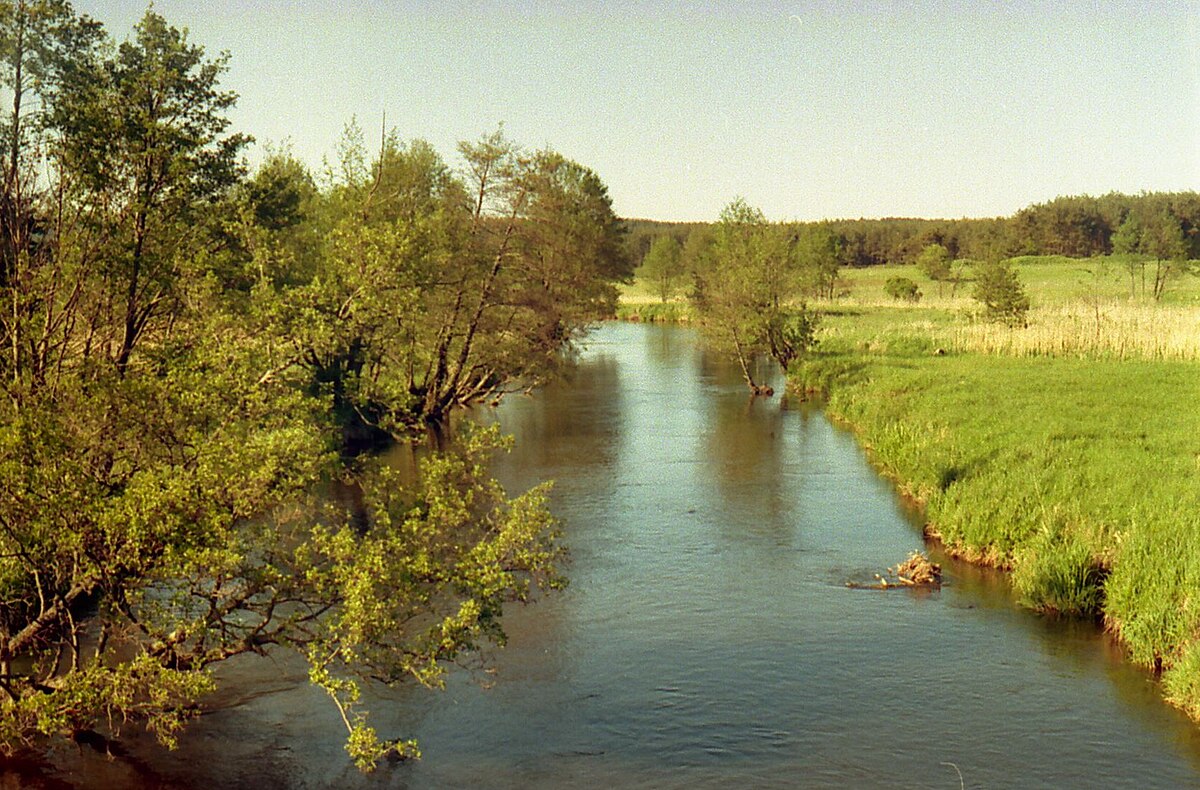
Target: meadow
[{"x": 1066, "y": 451}]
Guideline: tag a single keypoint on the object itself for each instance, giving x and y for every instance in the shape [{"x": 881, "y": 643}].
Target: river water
[{"x": 708, "y": 638}]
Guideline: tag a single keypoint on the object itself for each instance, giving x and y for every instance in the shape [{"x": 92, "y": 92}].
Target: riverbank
[{"x": 1077, "y": 475}]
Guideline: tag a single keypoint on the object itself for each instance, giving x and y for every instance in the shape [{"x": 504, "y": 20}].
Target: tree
[
  {"x": 1126, "y": 243},
  {"x": 440, "y": 289},
  {"x": 663, "y": 267},
  {"x": 161, "y": 441},
  {"x": 935, "y": 263},
  {"x": 1153, "y": 233},
  {"x": 902, "y": 288},
  {"x": 818, "y": 253},
  {"x": 1000, "y": 291},
  {"x": 40, "y": 42},
  {"x": 744, "y": 290},
  {"x": 146, "y": 133},
  {"x": 1163, "y": 241}
]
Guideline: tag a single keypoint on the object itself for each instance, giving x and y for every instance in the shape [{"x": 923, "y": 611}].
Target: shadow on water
[{"x": 707, "y": 638}]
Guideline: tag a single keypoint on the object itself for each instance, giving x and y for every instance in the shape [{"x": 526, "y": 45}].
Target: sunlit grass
[{"x": 1118, "y": 330}]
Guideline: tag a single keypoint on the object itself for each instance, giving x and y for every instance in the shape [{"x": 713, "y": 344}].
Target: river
[{"x": 708, "y": 638}]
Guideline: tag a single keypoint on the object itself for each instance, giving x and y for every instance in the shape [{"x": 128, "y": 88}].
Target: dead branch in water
[{"x": 916, "y": 571}]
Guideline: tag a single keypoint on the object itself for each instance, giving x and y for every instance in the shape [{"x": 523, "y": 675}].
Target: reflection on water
[{"x": 707, "y": 638}]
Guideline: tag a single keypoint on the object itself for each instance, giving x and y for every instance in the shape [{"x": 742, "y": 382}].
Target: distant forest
[{"x": 1075, "y": 226}]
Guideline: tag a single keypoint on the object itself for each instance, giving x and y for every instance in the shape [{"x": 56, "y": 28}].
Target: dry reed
[{"x": 1115, "y": 330}]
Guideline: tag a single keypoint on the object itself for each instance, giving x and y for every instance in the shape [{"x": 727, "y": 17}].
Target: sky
[{"x": 808, "y": 110}]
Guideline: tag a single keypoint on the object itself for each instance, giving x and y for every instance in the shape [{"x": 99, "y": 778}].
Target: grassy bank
[{"x": 1078, "y": 471}]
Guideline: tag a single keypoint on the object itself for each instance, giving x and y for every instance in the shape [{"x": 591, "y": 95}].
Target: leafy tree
[
  {"x": 818, "y": 253},
  {"x": 1127, "y": 243},
  {"x": 1163, "y": 241},
  {"x": 146, "y": 132},
  {"x": 1000, "y": 291},
  {"x": 744, "y": 290},
  {"x": 40, "y": 42},
  {"x": 435, "y": 289},
  {"x": 934, "y": 262},
  {"x": 1153, "y": 233},
  {"x": 902, "y": 288},
  {"x": 161, "y": 440},
  {"x": 663, "y": 266}
]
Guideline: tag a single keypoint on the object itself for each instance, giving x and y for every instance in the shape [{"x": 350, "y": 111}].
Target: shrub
[
  {"x": 1000, "y": 291},
  {"x": 902, "y": 288}
]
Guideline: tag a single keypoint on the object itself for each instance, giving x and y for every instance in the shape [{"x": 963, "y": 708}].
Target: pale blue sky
[{"x": 807, "y": 109}]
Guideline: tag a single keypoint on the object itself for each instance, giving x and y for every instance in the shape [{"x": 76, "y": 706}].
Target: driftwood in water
[{"x": 916, "y": 571}]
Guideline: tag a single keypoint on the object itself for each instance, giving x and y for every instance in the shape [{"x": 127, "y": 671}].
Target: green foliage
[
  {"x": 902, "y": 288},
  {"x": 744, "y": 291},
  {"x": 934, "y": 262},
  {"x": 433, "y": 291},
  {"x": 663, "y": 266},
  {"x": 425, "y": 581},
  {"x": 697, "y": 250},
  {"x": 999, "y": 289},
  {"x": 183, "y": 349},
  {"x": 1070, "y": 226}
]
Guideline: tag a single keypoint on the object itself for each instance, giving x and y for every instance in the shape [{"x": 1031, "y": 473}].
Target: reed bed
[{"x": 1106, "y": 331}]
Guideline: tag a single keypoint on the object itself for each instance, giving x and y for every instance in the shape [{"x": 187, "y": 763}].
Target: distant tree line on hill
[{"x": 1160, "y": 225}]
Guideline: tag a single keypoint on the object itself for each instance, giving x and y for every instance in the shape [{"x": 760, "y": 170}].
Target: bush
[
  {"x": 902, "y": 288},
  {"x": 1000, "y": 291}
]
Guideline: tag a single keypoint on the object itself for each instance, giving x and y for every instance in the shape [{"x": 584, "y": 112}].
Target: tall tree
[{"x": 146, "y": 131}]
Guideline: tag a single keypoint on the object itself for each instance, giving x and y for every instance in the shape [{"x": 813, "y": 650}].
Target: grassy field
[
  {"x": 1067, "y": 452},
  {"x": 1079, "y": 308}
]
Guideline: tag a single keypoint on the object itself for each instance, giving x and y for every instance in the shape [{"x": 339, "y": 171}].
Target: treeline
[
  {"x": 187, "y": 348},
  {"x": 1154, "y": 224}
]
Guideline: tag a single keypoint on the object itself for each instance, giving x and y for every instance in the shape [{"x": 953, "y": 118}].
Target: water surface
[{"x": 707, "y": 638}]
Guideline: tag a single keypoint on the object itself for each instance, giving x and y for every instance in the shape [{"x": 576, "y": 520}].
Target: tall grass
[{"x": 1112, "y": 330}]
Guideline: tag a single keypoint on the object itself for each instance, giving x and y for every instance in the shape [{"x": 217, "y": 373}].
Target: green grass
[{"x": 1051, "y": 279}]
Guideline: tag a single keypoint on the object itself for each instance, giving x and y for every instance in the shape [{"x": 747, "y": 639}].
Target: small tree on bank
[
  {"x": 744, "y": 289},
  {"x": 1001, "y": 293},
  {"x": 934, "y": 263}
]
